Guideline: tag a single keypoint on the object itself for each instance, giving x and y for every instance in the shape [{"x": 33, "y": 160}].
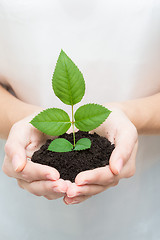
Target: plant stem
[{"x": 74, "y": 139}]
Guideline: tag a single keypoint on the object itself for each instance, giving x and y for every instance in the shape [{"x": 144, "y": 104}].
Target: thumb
[
  {"x": 116, "y": 162},
  {"x": 121, "y": 154},
  {"x": 15, "y": 152},
  {"x": 18, "y": 162}
]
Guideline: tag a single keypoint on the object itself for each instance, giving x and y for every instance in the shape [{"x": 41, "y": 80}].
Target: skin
[
  {"x": 121, "y": 165},
  {"x": 22, "y": 141},
  {"x": 144, "y": 114},
  {"x": 120, "y": 128}
]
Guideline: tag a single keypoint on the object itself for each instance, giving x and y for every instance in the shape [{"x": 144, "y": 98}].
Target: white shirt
[{"x": 116, "y": 46}]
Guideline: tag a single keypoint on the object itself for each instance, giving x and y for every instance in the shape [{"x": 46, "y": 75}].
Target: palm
[
  {"x": 120, "y": 131},
  {"x": 41, "y": 180},
  {"x": 35, "y": 140}
]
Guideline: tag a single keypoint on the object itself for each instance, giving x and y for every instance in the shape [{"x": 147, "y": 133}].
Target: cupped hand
[
  {"x": 120, "y": 131},
  {"x": 38, "y": 179}
]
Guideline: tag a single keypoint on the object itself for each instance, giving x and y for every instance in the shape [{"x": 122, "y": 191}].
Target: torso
[{"x": 116, "y": 46}]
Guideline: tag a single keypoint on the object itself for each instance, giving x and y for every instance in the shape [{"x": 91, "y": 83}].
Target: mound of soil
[{"x": 69, "y": 164}]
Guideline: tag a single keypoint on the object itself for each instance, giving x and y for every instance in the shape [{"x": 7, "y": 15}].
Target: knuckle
[
  {"x": 126, "y": 155},
  {"x": 99, "y": 175},
  {"x": 34, "y": 192},
  {"x": 115, "y": 183},
  {"x": 48, "y": 187},
  {"x": 109, "y": 180},
  {"x": 28, "y": 180},
  {"x": 7, "y": 148},
  {"x": 15, "y": 125},
  {"x": 131, "y": 172},
  {"x": 48, "y": 197},
  {"x": 84, "y": 191},
  {"x": 135, "y": 131},
  {"x": 25, "y": 177},
  {"x": 20, "y": 184},
  {"x": 5, "y": 170},
  {"x": 37, "y": 194}
]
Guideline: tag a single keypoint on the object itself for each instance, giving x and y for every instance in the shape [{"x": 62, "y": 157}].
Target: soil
[{"x": 69, "y": 164}]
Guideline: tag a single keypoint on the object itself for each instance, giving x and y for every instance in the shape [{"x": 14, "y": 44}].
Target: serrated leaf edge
[
  {"x": 83, "y": 148},
  {"x": 94, "y": 105},
  {"x": 63, "y": 151},
  {"x": 78, "y": 70},
  {"x": 93, "y": 115},
  {"x": 47, "y": 110}
]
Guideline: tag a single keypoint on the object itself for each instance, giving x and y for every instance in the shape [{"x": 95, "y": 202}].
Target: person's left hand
[{"x": 120, "y": 131}]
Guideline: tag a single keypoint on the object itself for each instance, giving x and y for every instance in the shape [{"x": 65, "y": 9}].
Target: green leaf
[
  {"x": 60, "y": 145},
  {"x": 82, "y": 144},
  {"x": 90, "y": 116},
  {"x": 68, "y": 82},
  {"x": 52, "y": 121}
]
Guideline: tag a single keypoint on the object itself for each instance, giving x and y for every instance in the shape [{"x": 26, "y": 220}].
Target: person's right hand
[{"x": 38, "y": 179}]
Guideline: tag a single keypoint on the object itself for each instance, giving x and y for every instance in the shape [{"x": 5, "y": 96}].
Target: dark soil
[{"x": 69, "y": 164}]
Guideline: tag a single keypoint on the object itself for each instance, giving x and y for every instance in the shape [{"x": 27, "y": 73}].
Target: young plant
[{"x": 69, "y": 86}]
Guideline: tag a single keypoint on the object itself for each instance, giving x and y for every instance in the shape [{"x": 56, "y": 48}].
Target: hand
[
  {"x": 120, "y": 131},
  {"x": 38, "y": 179}
]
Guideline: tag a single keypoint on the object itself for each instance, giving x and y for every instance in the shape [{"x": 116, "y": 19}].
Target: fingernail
[
  {"x": 51, "y": 177},
  {"x": 66, "y": 202},
  {"x": 70, "y": 201},
  {"x": 74, "y": 194},
  {"x": 82, "y": 182},
  {"x": 15, "y": 162},
  {"x": 119, "y": 165},
  {"x": 75, "y": 202},
  {"x": 71, "y": 195},
  {"x": 56, "y": 189}
]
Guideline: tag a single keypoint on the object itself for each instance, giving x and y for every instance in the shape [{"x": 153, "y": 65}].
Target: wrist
[
  {"x": 12, "y": 110},
  {"x": 133, "y": 110},
  {"x": 125, "y": 107}
]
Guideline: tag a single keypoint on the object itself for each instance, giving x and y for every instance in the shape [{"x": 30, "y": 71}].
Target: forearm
[
  {"x": 11, "y": 111},
  {"x": 144, "y": 113}
]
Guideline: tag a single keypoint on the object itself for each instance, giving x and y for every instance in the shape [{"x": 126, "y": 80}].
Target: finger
[
  {"x": 15, "y": 150},
  {"x": 75, "y": 200},
  {"x": 20, "y": 141},
  {"x": 124, "y": 145},
  {"x": 68, "y": 182},
  {"x": 129, "y": 169},
  {"x": 31, "y": 172},
  {"x": 32, "y": 147},
  {"x": 37, "y": 139},
  {"x": 50, "y": 189},
  {"x": 35, "y": 171},
  {"x": 86, "y": 190},
  {"x": 51, "y": 196},
  {"x": 54, "y": 196},
  {"x": 99, "y": 176}
]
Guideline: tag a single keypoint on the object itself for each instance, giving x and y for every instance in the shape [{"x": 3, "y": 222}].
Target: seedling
[{"x": 69, "y": 86}]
